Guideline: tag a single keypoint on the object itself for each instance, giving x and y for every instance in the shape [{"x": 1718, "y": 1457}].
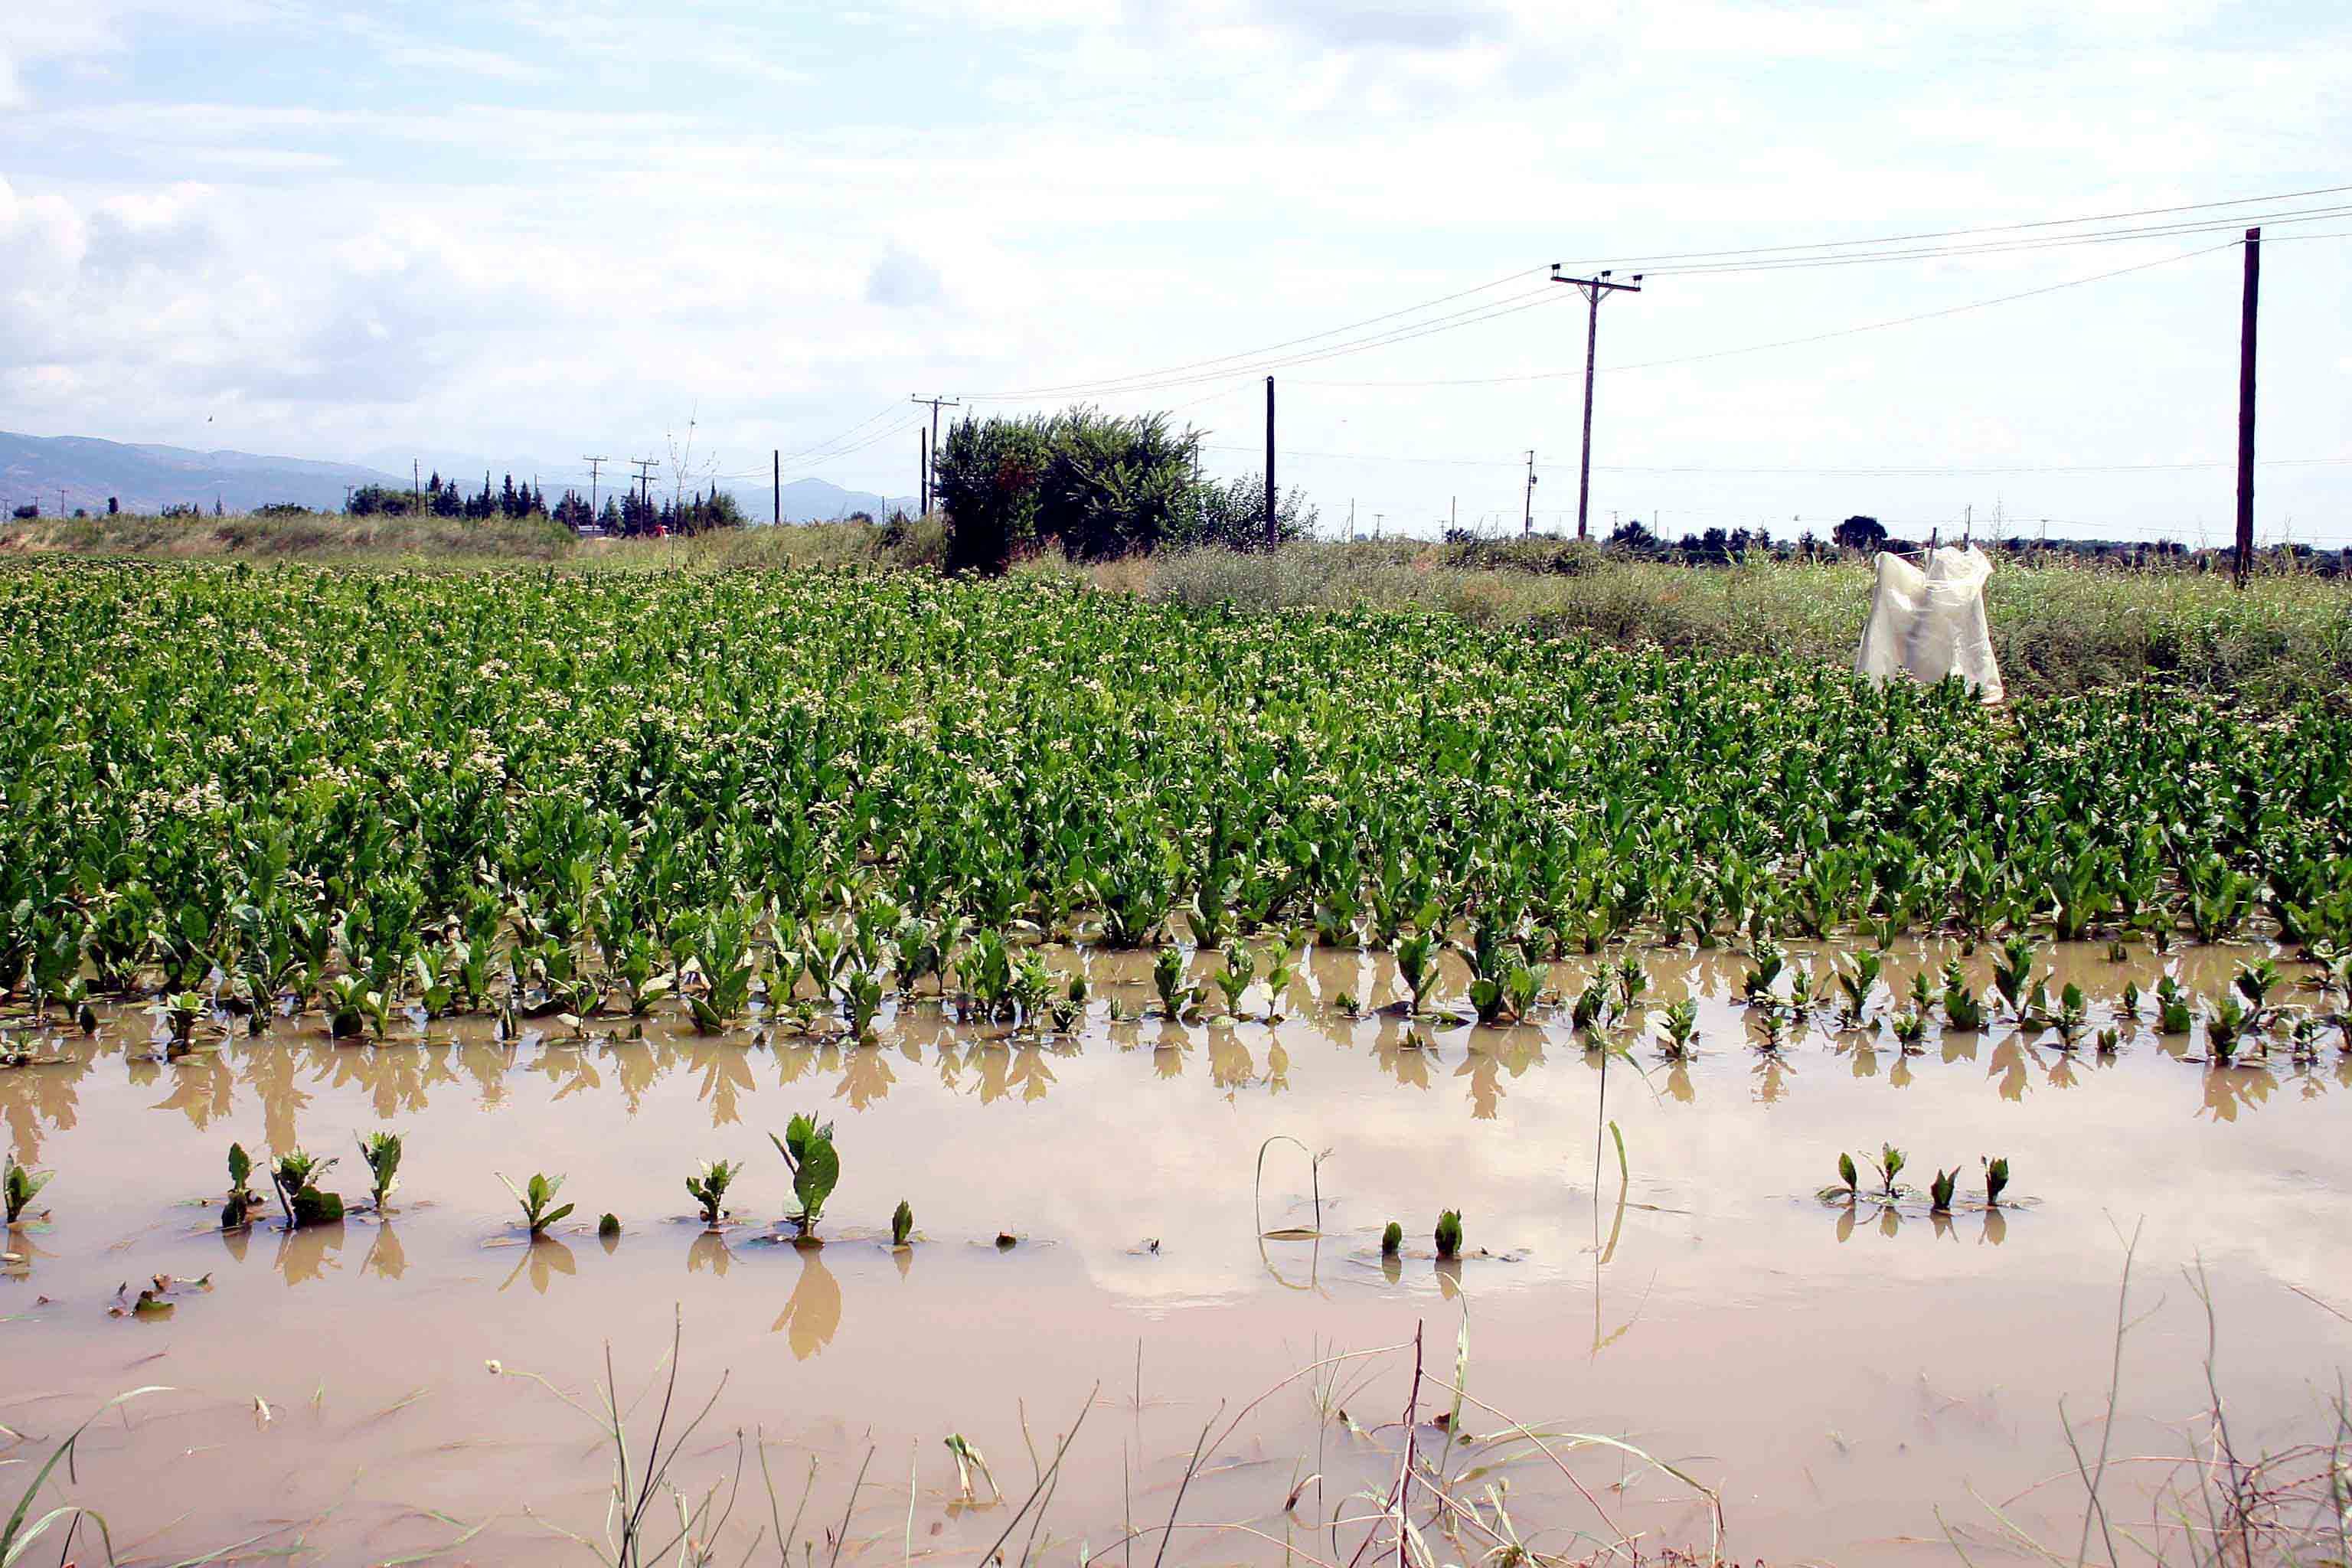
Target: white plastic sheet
[{"x": 1930, "y": 624}]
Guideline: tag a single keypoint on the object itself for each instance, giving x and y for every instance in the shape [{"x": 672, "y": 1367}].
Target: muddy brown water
[{"x": 1842, "y": 1378}]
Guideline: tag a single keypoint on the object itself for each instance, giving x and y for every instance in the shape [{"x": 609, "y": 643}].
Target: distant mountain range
[{"x": 146, "y": 479}]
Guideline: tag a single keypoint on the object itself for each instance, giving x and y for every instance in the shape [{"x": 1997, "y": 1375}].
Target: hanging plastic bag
[{"x": 1929, "y": 624}]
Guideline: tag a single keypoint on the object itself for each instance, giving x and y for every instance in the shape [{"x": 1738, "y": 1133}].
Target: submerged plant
[
  {"x": 608, "y": 1227},
  {"x": 1962, "y": 1009},
  {"x": 1391, "y": 1239},
  {"x": 1996, "y": 1173},
  {"x": 2174, "y": 1013},
  {"x": 1680, "y": 1022},
  {"x": 238, "y": 1211},
  {"x": 808, "y": 1151},
  {"x": 1849, "y": 1175},
  {"x": 902, "y": 1224},
  {"x": 296, "y": 1177},
  {"x": 1757, "y": 985},
  {"x": 708, "y": 1186},
  {"x": 1939, "y": 1191},
  {"x": 18, "y": 1187},
  {"x": 2069, "y": 1017},
  {"x": 1449, "y": 1235},
  {"x": 1857, "y": 983},
  {"x": 1910, "y": 1026},
  {"x": 1417, "y": 958},
  {"x": 1177, "y": 999},
  {"x": 2013, "y": 968},
  {"x": 2254, "y": 983},
  {"x": 382, "y": 1152},
  {"x": 967, "y": 1459},
  {"x": 535, "y": 1196},
  {"x": 1235, "y": 978},
  {"x": 1889, "y": 1165}
]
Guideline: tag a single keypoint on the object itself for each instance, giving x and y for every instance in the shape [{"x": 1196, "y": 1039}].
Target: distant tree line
[
  {"x": 631, "y": 513},
  {"x": 1096, "y": 487}
]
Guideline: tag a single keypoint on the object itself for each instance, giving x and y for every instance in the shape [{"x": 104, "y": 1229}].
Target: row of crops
[{"x": 408, "y": 785}]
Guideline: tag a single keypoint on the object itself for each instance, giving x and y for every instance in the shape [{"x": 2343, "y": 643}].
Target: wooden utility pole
[
  {"x": 1272, "y": 533},
  {"x": 593, "y": 464},
  {"x": 645, "y": 467},
  {"x": 1527, "y": 521},
  {"x": 776, "y": 458},
  {"x": 922, "y": 471},
  {"x": 2245, "y": 562},
  {"x": 416, "y": 484},
  {"x": 1592, "y": 290},
  {"x": 937, "y": 403}
]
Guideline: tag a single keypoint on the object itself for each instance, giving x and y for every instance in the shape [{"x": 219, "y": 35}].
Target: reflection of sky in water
[{"x": 1713, "y": 1251}]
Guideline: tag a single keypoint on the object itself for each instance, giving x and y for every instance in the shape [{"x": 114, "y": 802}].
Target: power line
[
  {"x": 1891, "y": 471},
  {"x": 1792, "y": 342},
  {"x": 1109, "y": 382},
  {"x": 1664, "y": 258}
]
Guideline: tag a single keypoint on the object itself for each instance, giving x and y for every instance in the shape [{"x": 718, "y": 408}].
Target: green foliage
[
  {"x": 1680, "y": 1022},
  {"x": 1449, "y": 1235},
  {"x": 296, "y": 1175},
  {"x": 1096, "y": 485},
  {"x": 1996, "y": 1173},
  {"x": 1849, "y": 1174},
  {"x": 902, "y": 1224},
  {"x": 708, "y": 1186},
  {"x": 1889, "y": 1165},
  {"x": 537, "y": 1197},
  {"x": 808, "y": 1151},
  {"x": 1939, "y": 1191},
  {"x": 1391, "y": 1239},
  {"x": 608, "y": 1227},
  {"x": 18, "y": 1187},
  {"x": 382, "y": 1152}
]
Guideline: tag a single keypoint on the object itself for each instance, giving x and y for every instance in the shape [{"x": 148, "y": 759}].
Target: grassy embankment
[{"x": 2055, "y": 626}]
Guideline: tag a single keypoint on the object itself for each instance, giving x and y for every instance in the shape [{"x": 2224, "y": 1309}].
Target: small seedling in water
[
  {"x": 1996, "y": 1172},
  {"x": 296, "y": 1177},
  {"x": 902, "y": 1224},
  {"x": 708, "y": 1186},
  {"x": 1890, "y": 1165},
  {"x": 2254, "y": 983},
  {"x": 1176, "y": 998},
  {"x": 238, "y": 1213},
  {"x": 2068, "y": 1020},
  {"x": 2173, "y": 1013},
  {"x": 2223, "y": 1026},
  {"x": 967, "y": 1459},
  {"x": 1005, "y": 1239},
  {"x": 19, "y": 1187},
  {"x": 1681, "y": 1023},
  {"x": 534, "y": 1197},
  {"x": 382, "y": 1152},
  {"x": 1910, "y": 1026},
  {"x": 1417, "y": 958},
  {"x": 1757, "y": 985},
  {"x": 1850, "y": 1182},
  {"x": 609, "y": 1227},
  {"x": 1939, "y": 1191},
  {"x": 1449, "y": 1235},
  {"x": 1347, "y": 1004},
  {"x": 2130, "y": 1008},
  {"x": 1857, "y": 985},
  {"x": 1391, "y": 1240},
  {"x": 808, "y": 1151}
]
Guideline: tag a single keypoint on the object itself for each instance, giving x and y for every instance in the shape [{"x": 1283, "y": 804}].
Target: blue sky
[{"x": 531, "y": 231}]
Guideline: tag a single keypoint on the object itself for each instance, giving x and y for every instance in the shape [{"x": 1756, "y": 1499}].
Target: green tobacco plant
[
  {"x": 1449, "y": 1235},
  {"x": 721, "y": 952},
  {"x": 1235, "y": 978},
  {"x": 382, "y": 1152},
  {"x": 902, "y": 1224},
  {"x": 1680, "y": 1022},
  {"x": 1391, "y": 1239},
  {"x": 238, "y": 1211},
  {"x": 2226, "y": 1025},
  {"x": 296, "y": 1177},
  {"x": 1176, "y": 1000},
  {"x": 2012, "y": 971},
  {"x": 1889, "y": 1165},
  {"x": 1962, "y": 1010},
  {"x": 1996, "y": 1174},
  {"x": 1910, "y": 1027},
  {"x": 1757, "y": 987},
  {"x": 809, "y": 1154},
  {"x": 536, "y": 1197},
  {"x": 1849, "y": 1175},
  {"x": 2175, "y": 1013},
  {"x": 18, "y": 1187},
  {"x": 1858, "y": 983},
  {"x": 2069, "y": 1018},
  {"x": 708, "y": 1186},
  {"x": 2255, "y": 982},
  {"x": 1417, "y": 966},
  {"x": 1939, "y": 1191}
]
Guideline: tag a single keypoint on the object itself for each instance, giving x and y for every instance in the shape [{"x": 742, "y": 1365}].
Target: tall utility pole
[
  {"x": 937, "y": 403},
  {"x": 594, "y": 464},
  {"x": 1528, "y": 522},
  {"x": 776, "y": 470},
  {"x": 416, "y": 484},
  {"x": 1592, "y": 290},
  {"x": 2245, "y": 562},
  {"x": 645, "y": 467},
  {"x": 1273, "y": 536},
  {"x": 922, "y": 471}
]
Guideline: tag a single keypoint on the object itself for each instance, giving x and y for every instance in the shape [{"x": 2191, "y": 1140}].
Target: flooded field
[{"x": 1847, "y": 1379}]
